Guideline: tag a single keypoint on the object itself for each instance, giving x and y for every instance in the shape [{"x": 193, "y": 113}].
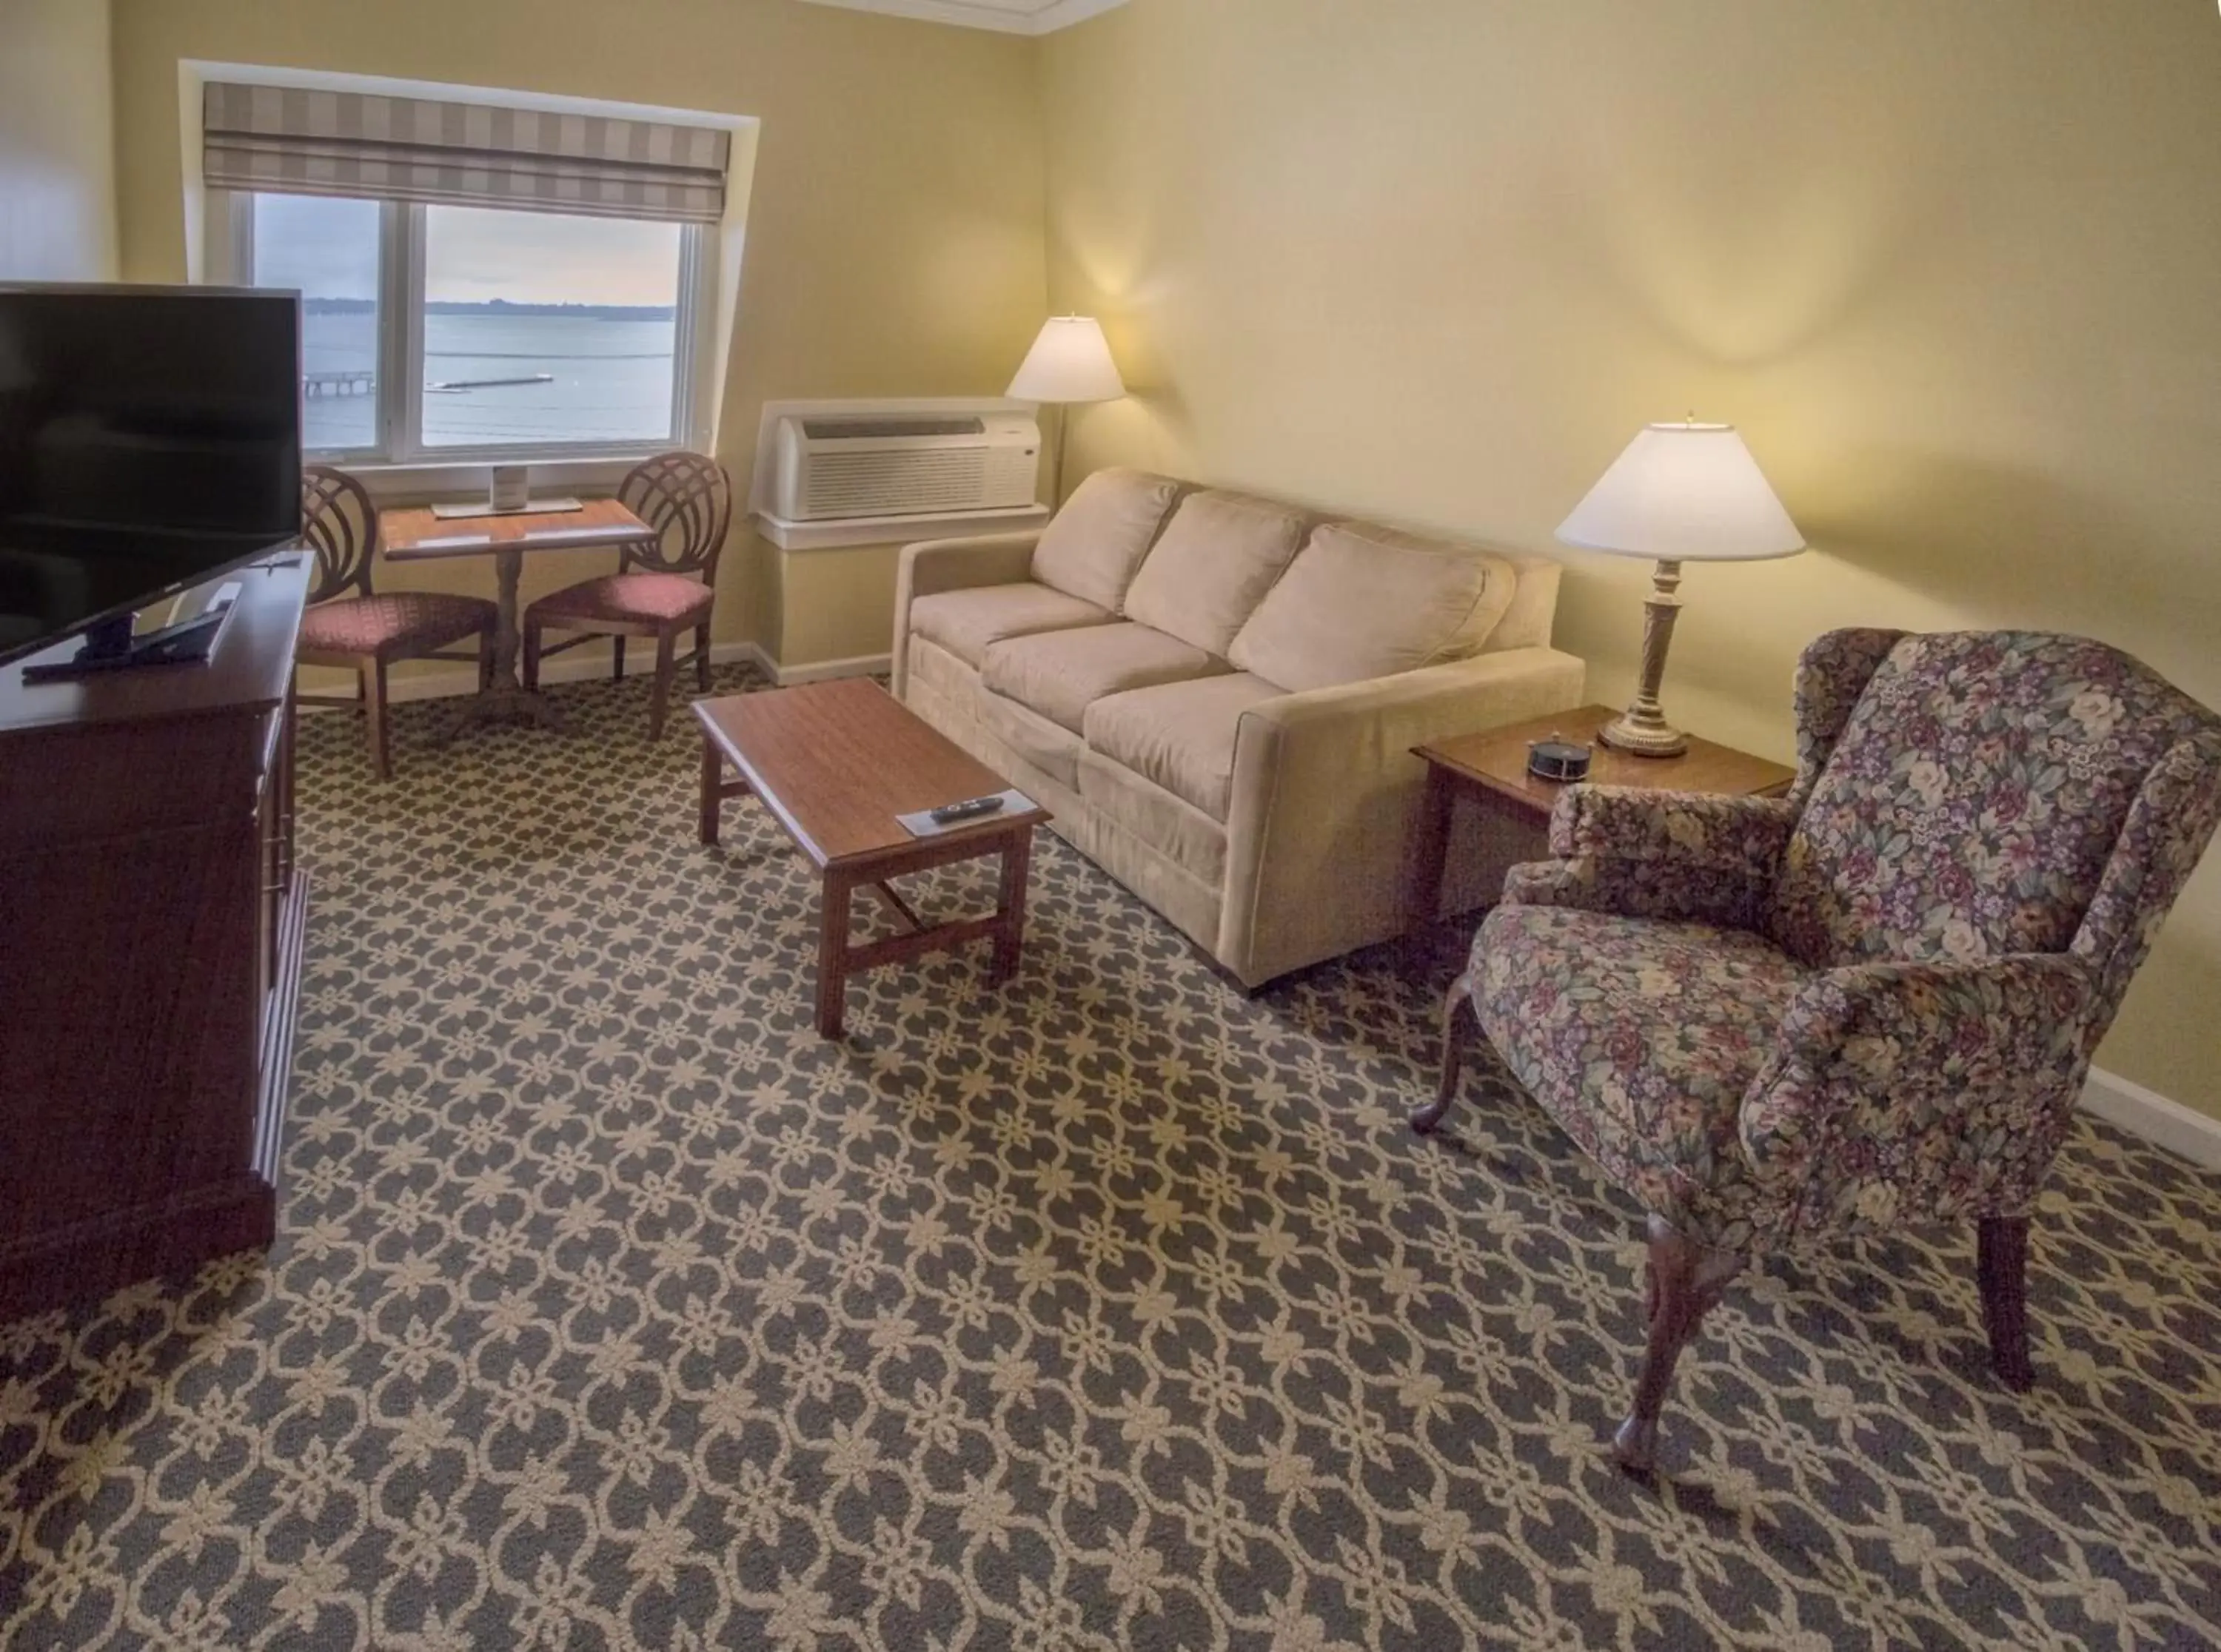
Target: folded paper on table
[{"x": 923, "y": 824}]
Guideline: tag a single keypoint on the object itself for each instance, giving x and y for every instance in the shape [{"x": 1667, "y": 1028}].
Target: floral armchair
[{"x": 1871, "y": 1002}]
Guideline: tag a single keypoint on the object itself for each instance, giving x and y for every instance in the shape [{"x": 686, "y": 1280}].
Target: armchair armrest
[
  {"x": 1325, "y": 790},
  {"x": 932, "y": 566},
  {"x": 1675, "y": 855},
  {"x": 1918, "y": 1091}
]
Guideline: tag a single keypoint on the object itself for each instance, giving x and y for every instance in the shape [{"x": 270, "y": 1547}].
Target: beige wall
[
  {"x": 1953, "y": 268},
  {"x": 57, "y": 168},
  {"x": 894, "y": 238}
]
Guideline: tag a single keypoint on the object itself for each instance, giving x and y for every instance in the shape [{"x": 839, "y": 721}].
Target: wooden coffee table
[{"x": 835, "y": 762}]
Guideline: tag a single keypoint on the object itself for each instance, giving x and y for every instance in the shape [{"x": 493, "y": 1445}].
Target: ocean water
[{"x": 612, "y": 380}]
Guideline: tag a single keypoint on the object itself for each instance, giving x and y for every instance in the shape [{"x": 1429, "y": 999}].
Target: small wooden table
[
  {"x": 1491, "y": 768},
  {"x": 419, "y": 536},
  {"x": 835, "y": 762}
]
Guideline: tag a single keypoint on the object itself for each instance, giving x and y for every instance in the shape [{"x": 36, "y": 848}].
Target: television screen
[{"x": 150, "y": 438}]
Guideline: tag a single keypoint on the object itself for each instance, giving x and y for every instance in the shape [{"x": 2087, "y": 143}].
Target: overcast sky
[{"x": 328, "y": 249}]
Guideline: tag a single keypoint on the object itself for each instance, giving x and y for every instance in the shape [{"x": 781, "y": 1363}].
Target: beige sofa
[{"x": 1217, "y": 696}]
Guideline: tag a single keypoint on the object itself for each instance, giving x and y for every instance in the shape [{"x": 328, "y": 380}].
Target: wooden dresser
[{"x": 151, "y": 920}]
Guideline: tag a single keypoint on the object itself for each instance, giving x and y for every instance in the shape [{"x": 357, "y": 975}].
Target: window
[{"x": 438, "y": 333}]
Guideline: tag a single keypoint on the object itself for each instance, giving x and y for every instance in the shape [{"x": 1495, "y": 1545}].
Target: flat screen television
[{"x": 150, "y": 438}]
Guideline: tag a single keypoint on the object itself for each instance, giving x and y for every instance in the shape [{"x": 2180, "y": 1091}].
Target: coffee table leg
[
  {"x": 1011, "y": 908},
  {"x": 712, "y": 780},
  {"x": 833, "y": 956}
]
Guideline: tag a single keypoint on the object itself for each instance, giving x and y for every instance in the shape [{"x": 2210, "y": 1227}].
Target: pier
[{"x": 361, "y": 381}]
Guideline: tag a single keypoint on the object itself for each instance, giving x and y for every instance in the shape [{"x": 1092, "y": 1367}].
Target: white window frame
[{"x": 401, "y": 354}]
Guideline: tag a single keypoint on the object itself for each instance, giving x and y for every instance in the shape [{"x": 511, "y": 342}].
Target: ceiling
[{"x": 1009, "y": 16}]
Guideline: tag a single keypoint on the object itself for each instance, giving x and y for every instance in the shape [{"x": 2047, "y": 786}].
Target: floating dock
[{"x": 453, "y": 387}]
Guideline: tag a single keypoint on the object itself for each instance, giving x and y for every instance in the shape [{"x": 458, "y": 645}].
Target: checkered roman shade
[{"x": 298, "y": 141}]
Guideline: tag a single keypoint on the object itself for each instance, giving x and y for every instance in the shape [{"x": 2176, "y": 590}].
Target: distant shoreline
[{"x": 502, "y": 307}]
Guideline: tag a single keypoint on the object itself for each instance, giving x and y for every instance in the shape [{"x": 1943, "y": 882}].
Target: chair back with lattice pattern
[
  {"x": 688, "y": 499},
  {"x": 339, "y": 525}
]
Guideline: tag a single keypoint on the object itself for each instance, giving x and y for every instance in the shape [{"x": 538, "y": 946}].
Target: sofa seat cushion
[
  {"x": 1053, "y": 750},
  {"x": 968, "y": 623},
  {"x": 1092, "y": 546},
  {"x": 1360, "y": 603},
  {"x": 1153, "y": 817},
  {"x": 1179, "y": 736},
  {"x": 1215, "y": 560},
  {"x": 1641, "y": 1037},
  {"x": 1060, "y": 674}
]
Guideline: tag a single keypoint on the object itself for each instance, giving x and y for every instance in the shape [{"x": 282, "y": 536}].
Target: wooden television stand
[{"x": 151, "y": 922}]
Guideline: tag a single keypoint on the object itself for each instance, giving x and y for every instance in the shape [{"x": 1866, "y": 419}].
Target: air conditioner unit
[{"x": 835, "y": 466}]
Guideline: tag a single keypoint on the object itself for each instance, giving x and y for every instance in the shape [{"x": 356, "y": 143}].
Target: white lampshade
[
  {"x": 1069, "y": 362},
  {"x": 1684, "y": 493}
]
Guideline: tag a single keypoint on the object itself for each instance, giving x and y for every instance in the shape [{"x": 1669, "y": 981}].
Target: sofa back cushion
[
  {"x": 1970, "y": 805},
  {"x": 1527, "y": 623},
  {"x": 1097, "y": 541},
  {"x": 1360, "y": 602},
  {"x": 1215, "y": 560}
]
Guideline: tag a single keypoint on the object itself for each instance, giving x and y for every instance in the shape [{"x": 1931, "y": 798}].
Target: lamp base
[
  {"x": 1643, "y": 737},
  {"x": 1642, "y": 729}
]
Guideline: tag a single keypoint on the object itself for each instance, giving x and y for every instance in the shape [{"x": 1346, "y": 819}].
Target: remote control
[{"x": 970, "y": 809}]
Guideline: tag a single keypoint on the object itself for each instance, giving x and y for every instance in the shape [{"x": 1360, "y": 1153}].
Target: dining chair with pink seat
[
  {"x": 355, "y": 628},
  {"x": 659, "y": 590}
]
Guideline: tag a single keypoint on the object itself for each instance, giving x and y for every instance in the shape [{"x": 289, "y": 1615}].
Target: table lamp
[
  {"x": 1680, "y": 493},
  {"x": 1070, "y": 362}
]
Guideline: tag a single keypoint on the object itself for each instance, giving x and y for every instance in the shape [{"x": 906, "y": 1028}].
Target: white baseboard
[
  {"x": 578, "y": 667},
  {"x": 586, "y": 665},
  {"x": 825, "y": 670},
  {"x": 2159, "y": 1121}
]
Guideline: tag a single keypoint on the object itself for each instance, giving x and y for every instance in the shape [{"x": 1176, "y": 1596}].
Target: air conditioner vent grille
[
  {"x": 861, "y": 463},
  {"x": 822, "y": 430},
  {"x": 890, "y": 485}
]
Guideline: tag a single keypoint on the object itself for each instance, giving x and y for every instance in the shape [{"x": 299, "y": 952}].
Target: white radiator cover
[{"x": 829, "y": 467}]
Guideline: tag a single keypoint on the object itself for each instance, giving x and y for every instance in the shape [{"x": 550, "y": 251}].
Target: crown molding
[{"x": 965, "y": 14}]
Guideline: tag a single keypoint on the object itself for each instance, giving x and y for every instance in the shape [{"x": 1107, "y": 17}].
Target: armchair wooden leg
[
  {"x": 1684, "y": 1279},
  {"x": 374, "y": 684},
  {"x": 666, "y": 668},
  {"x": 486, "y": 660},
  {"x": 531, "y": 657},
  {"x": 702, "y": 656},
  {"x": 616, "y": 660},
  {"x": 1429, "y": 1118},
  {"x": 2002, "y": 1266}
]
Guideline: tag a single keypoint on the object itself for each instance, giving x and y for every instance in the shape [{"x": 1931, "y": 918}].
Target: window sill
[{"x": 842, "y": 532}]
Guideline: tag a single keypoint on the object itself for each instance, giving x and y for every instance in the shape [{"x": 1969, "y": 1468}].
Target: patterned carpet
[{"x": 613, "y": 1309}]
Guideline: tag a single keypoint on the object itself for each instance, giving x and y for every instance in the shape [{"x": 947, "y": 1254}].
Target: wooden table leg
[
  {"x": 1430, "y": 843},
  {"x": 1011, "y": 908},
  {"x": 713, "y": 793},
  {"x": 833, "y": 955}
]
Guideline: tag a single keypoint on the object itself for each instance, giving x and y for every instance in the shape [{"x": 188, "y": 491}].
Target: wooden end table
[
  {"x": 417, "y": 535},
  {"x": 1491, "y": 768},
  {"x": 835, "y": 762}
]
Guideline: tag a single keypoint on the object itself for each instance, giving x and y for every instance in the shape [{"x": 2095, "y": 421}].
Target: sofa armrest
[
  {"x": 1325, "y": 792},
  {"x": 932, "y": 566},
  {"x": 1916, "y": 1092}
]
